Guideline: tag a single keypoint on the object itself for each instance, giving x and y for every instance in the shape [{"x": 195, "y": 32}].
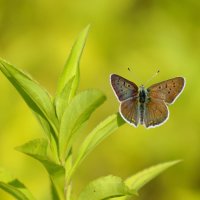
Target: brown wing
[
  {"x": 123, "y": 88},
  {"x": 129, "y": 110},
  {"x": 167, "y": 90},
  {"x": 155, "y": 113}
]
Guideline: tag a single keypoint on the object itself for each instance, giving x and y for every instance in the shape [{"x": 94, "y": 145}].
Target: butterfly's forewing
[
  {"x": 127, "y": 93},
  {"x": 123, "y": 88},
  {"x": 167, "y": 90},
  {"x": 129, "y": 110},
  {"x": 155, "y": 113}
]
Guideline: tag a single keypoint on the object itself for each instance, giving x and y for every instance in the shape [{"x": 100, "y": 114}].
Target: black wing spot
[
  {"x": 168, "y": 92},
  {"x": 166, "y": 86},
  {"x": 159, "y": 87}
]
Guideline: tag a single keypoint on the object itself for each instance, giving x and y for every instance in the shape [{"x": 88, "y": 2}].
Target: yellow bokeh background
[{"x": 144, "y": 35}]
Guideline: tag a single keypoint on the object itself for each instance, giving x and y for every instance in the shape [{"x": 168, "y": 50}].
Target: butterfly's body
[
  {"x": 139, "y": 105},
  {"x": 142, "y": 99}
]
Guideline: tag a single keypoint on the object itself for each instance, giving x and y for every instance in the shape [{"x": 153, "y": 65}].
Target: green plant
[{"x": 62, "y": 118}]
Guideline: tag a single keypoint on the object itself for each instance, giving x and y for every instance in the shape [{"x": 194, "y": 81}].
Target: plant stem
[
  {"x": 68, "y": 182},
  {"x": 68, "y": 191}
]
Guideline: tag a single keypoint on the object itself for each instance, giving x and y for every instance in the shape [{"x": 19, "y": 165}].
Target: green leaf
[
  {"x": 102, "y": 131},
  {"x": 137, "y": 181},
  {"x": 38, "y": 149},
  {"x": 75, "y": 115},
  {"x": 140, "y": 179},
  {"x": 33, "y": 94},
  {"x": 53, "y": 140},
  {"x": 71, "y": 68},
  {"x": 14, "y": 186},
  {"x": 105, "y": 188},
  {"x": 62, "y": 101}
]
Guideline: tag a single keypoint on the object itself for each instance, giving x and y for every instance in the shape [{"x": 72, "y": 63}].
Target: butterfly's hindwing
[
  {"x": 129, "y": 109},
  {"x": 167, "y": 90},
  {"x": 155, "y": 113},
  {"x": 123, "y": 88}
]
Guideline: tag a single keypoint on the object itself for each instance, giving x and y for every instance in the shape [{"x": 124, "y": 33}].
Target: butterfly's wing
[
  {"x": 155, "y": 113},
  {"x": 127, "y": 93},
  {"x": 168, "y": 90},
  {"x": 129, "y": 110},
  {"x": 123, "y": 88}
]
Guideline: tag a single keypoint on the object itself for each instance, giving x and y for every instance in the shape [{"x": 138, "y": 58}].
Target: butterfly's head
[
  {"x": 141, "y": 87},
  {"x": 142, "y": 90}
]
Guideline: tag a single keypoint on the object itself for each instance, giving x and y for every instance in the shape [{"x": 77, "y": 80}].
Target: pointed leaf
[
  {"x": 137, "y": 181},
  {"x": 71, "y": 68},
  {"x": 102, "y": 131},
  {"x": 38, "y": 149},
  {"x": 140, "y": 179},
  {"x": 33, "y": 94},
  {"x": 14, "y": 186},
  {"x": 75, "y": 115},
  {"x": 52, "y": 136},
  {"x": 105, "y": 188},
  {"x": 62, "y": 101}
]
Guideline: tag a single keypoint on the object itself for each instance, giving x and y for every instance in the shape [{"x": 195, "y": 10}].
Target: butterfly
[{"x": 148, "y": 107}]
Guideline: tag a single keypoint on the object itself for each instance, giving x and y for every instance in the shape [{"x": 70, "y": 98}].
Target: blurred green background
[{"x": 145, "y": 35}]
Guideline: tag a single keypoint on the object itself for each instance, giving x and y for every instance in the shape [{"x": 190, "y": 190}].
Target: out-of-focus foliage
[{"x": 144, "y": 35}]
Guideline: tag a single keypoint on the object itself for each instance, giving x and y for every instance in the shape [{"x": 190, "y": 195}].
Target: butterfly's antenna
[
  {"x": 154, "y": 75},
  {"x": 129, "y": 69}
]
